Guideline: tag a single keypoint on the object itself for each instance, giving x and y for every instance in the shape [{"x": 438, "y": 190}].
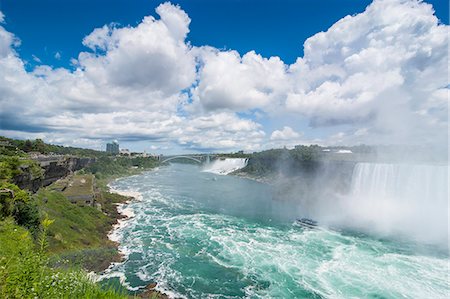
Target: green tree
[
  {"x": 40, "y": 146},
  {"x": 9, "y": 167},
  {"x": 28, "y": 146},
  {"x": 16, "y": 203}
]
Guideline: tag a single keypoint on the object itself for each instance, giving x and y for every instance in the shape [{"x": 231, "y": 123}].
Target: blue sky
[
  {"x": 51, "y": 37},
  {"x": 271, "y": 28}
]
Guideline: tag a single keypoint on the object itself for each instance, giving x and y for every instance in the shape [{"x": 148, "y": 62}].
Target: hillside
[{"x": 63, "y": 233}]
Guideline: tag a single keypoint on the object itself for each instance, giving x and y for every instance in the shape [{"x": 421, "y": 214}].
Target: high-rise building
[{"x": 112, "y": 148}]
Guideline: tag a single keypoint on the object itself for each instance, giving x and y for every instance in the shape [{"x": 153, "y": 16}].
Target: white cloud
[
  {"x": 151, "y": 57},
  {"x": 7, "y": 41},
  {"x": 229, "y": 81},
  {"x": 36, "y": 59},
  {"x": 380, "y": 68},
  {"x": 223, "y": 131},
  {"x": 286, "y": 137},
  {"x": 287, "y": 133},
  {"x": 377, "y": 77},
  {"x": 128, "y": 88}
]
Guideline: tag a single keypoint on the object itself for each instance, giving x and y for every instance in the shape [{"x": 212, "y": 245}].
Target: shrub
[
  {"x": 24, "y": 270},
  {"x": 19, "y": 206},
  {"x": 9, "y": 167}
]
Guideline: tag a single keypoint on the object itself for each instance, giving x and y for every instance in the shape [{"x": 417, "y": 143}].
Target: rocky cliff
[{"x": 53, "y": 168}]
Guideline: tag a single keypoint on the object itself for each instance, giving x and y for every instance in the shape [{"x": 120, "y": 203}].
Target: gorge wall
[{"x": 53, "y": 169}]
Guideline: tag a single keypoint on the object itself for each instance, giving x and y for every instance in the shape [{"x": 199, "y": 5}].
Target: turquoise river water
[{"x": 202, "y": 235}]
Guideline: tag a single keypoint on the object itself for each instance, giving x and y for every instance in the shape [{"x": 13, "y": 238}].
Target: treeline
[
  {"x": 106, "y": 166},
  {"x": 301, "y": 158},
  {"x": 272, "y": 160},
  {"x": 10, "y": 146},
  {"x": 240, "y": 154}
]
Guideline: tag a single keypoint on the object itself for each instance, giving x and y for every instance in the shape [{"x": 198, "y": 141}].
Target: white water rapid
[
  {"x": 229, "y": 239},
  {"x": 225, "y": 166}
]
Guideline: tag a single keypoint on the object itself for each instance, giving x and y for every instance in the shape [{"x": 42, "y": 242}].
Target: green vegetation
[
  {"x": 80, "y": 232},
  {"x": 77, "y": 238},
  {"x": 34, "y": 168},
  {"x": 79, "y": 185},
  {"x": 15, "y": 147},
  {"x": 25, "y": 270},
  {"x": 16, "y": 203},
  {"x": 76, "y": 227},
  {"x": 110, "y": 167},
  {"x": 11, "y": 166},
  {"x": 239, "y": 154},
  {"x": 300, "y": 159},
  {"x": 39, "y": 260}
]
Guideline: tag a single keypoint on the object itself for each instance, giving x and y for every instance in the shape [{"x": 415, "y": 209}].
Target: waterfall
[
  {"x": 416, "y": 184},
  {"x": 225, "y": 166},
  {"x": 409, "y": 199}
]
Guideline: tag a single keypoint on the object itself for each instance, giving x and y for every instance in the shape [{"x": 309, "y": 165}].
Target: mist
[{"x": 393, "y": 192}]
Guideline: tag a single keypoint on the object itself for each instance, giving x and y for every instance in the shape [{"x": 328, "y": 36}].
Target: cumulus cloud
[
  {"x": 377, "y": 77},
  {"x": 7, "y": 40},
  {"x": 134, "y": 68},
  {"x": 129, "y": 87},
  {"x": 229, "y": 81},
  {"x": 152, "y": 56},
  {"x": 234, "y": 133},
  {"x": 385, "y": 69},
  {"x": 287, "y": 133},
  {"x": 382, "y": 68},
  {"x": 286, "y": 137}
]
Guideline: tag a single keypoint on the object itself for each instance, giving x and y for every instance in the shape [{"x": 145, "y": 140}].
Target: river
[{"x": 202, "y": 235}]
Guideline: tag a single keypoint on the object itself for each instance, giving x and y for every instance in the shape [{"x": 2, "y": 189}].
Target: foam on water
[
  {"x": 128, "y": 192},
  {"x": 193, "y": 250},
  {"x": 126, "y": 210}
]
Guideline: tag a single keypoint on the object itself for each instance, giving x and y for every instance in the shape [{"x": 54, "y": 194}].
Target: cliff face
[{"x": 54, "y": 169}]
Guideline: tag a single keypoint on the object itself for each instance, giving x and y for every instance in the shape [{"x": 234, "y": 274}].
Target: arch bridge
[{"x": 182, "y": 157}]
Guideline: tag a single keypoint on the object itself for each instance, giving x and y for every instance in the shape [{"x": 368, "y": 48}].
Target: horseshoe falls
[
  {"x": 401, "y": 198},
  {"x": 200, "y": 235},
  {"x": 402, "y": 201}
]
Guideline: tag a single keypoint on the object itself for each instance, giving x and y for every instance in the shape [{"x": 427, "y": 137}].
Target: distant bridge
[{"x": 182, "y": 157}]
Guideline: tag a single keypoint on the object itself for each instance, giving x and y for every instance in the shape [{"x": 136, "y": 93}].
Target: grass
[
  {"x": 24, "y": 271},
  {"x": 76, "y": 227},
  {"x": 79, "y": 233},
  {"x": 80, "y": 185}
]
